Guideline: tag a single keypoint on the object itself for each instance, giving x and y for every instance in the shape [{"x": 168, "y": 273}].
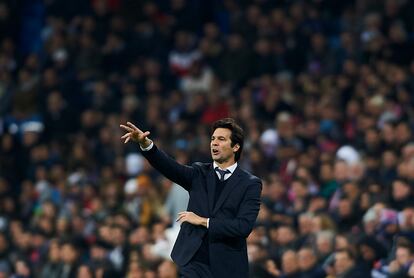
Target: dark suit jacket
[{"x": 232, "y": 217}]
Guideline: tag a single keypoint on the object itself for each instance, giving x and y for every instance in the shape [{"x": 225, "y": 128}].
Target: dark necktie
[{"x": 222, "y": 173}]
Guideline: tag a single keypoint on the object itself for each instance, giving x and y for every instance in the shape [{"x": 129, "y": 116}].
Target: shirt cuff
[
  {"x": 147, "y": 148},
  {"x": 208, "y": 222}
]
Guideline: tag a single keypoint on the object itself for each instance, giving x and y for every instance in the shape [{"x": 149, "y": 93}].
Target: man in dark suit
[{"x": 223, "y": 205}]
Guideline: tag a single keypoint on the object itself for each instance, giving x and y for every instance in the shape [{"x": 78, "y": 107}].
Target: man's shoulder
[
  {"x": 202, "y": 165},
  {"x": 249, "y": 176}
]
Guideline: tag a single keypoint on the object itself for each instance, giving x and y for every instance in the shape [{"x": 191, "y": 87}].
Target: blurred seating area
[{"x": 324, "y": 92}]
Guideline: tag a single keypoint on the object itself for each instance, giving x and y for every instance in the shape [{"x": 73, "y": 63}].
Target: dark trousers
[{"x": 195, "y": 269}]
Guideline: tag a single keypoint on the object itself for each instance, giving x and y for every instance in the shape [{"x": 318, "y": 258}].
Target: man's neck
[{"x": 225, "y": 164}]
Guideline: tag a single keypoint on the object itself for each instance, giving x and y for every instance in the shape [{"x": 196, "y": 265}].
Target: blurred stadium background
[{"x": 323, "y": 89}]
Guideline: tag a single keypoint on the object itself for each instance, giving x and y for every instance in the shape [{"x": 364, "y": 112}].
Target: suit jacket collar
[{"x": 211, "y": 187}]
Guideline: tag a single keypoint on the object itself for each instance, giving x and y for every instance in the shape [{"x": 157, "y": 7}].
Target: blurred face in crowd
[
  {"x": 367, "y": 253},
  {"x": 387, "y": 133},
  {"x": 345, "y": 208},
  {"x": 299, "y": 188},
  {"x": 305, "y": 224},
  {"x": 97, "y": 252},
  {"x": 324, "y": 244},
  {"x": 139, "y": 236},
  {"x": 6, "y": 143},
  {"x": 372, "y": 138},
  {"x": 306, "y": 259},
  {"x": 290, "y": 262},
  {"x": 182, "y": 40},
  {"x": 211, "y": 31},
  {"x": 326, "y": 172},
  {"x": 118, "y": 236},
  {"x": 84, "y": 272},
  {"x": 351, "y": 190},
  {"x": 276, "y": 190},
  {"x": 389, "y": 159},
  {"x": 235, "y": 42},
  {"x": 318, "y": 42},
  {"x": 167, "y": 269},
  {"x": 147, "y": 253},
  {"x": 62, "y": 225},
  {"x": 341, "y": 242},
  {"x": 54, "y": 102},
  {"x": 402, "y": 133},
  {"x": 406, "y": 219},
  {"x": 158, "y": 231},
  {"x": 54, "y": 251},
  {"x": 352, "y": 109},
  {"x": 134, "y": 270},
  {"x": 285, "y": 235},
  {"x": 403, "y": 255},
  {"x": 22, "y": 269},
  {"x": 400, "y": 190},
  {"x": 3, "y": 243},
  {"x": 284, "y": 126},
  {"x": 23, "y": 241},
  {"x": 341, "y": 170},
  {"x": 316, "y": 224},
  {"x": 150, "y": 274},
  {"x": 342, "y": 262},
  {"x": 68, "y": 253}
]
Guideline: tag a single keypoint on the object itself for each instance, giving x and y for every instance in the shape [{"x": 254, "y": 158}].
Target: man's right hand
[{"x": 136, "y": 135}]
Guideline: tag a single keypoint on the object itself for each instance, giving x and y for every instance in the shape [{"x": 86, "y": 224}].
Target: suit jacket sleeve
[
  {"x": 180, "y": 174},
  {"x": 242, "y": 225}
]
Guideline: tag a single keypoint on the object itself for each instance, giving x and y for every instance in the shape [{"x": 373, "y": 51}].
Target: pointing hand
[{"x": 136, "y": 135}]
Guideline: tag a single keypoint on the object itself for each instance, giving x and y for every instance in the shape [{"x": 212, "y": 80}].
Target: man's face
[
  {"x": 221, "y": 149},
  {"x": 289, "y": 262},
  {"x": 306, "y": 259},
  {"x": 342, "y": 262},
  {"x": 68, "y": 254},
  {"x": 402, "y": 255}
]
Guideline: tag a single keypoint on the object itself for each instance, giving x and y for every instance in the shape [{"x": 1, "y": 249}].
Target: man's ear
[{"x": 236, "y": 147}]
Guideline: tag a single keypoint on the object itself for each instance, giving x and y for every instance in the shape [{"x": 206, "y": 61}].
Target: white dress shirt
[{"x": 232, "y": 168}]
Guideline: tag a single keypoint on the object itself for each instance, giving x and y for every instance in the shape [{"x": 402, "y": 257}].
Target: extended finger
[
  {"x": 179, "y": 218},
  {"x": 127, "y": 128},
  {"x": 126, "y": 140},
  {"x": 126, "y": 135},
  {"x": 133, "y": 126}
]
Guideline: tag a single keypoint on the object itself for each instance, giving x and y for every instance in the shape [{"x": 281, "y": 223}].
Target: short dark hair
[
  {"x": 348, "y": 252},
  {"x": 237, "y": 133}
]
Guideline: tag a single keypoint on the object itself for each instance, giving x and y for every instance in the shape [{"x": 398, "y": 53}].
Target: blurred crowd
[{"x": 323, "y": 90}]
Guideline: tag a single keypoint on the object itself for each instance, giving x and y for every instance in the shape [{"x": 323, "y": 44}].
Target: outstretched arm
[{"x": 170, "y": 168}]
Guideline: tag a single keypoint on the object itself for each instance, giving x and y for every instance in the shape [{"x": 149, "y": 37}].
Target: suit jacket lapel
[
  {"x": 231, "y": 183},
  {"x": 211, "y": 188}
]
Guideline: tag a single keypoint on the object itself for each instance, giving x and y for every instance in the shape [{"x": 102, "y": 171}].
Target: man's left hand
[{"x": 192, "y": 218}]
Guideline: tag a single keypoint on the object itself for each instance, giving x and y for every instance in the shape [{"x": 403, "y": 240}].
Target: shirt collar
[{"x": 232, "y": 168}]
